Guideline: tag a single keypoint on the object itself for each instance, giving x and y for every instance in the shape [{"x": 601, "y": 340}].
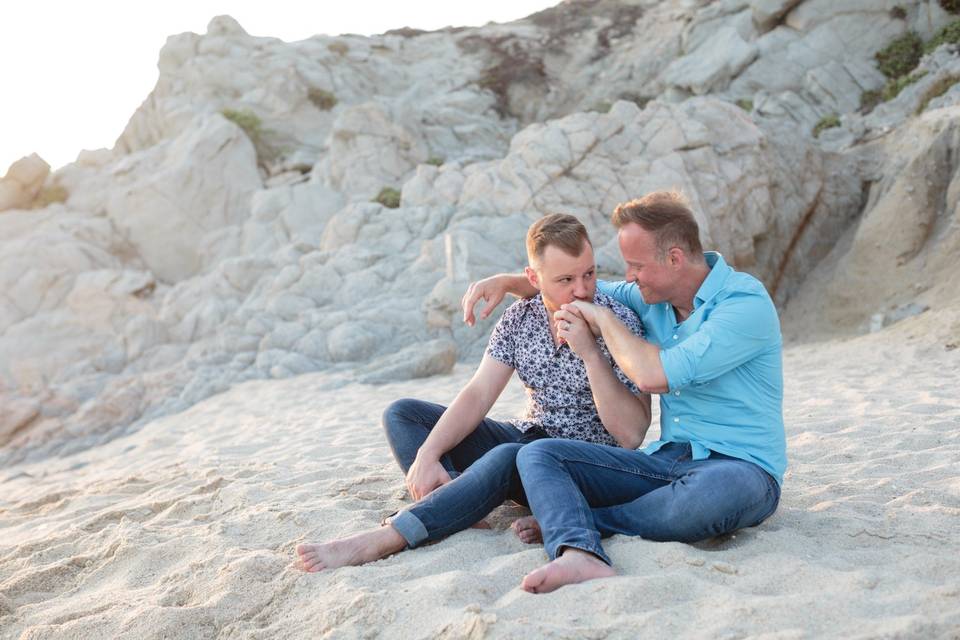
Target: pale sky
[{"x": 72, "y": 72}]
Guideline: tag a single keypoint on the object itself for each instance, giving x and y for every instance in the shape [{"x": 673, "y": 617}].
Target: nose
[{"x": 580, "y": 289}]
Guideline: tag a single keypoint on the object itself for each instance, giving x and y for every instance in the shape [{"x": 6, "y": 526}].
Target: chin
[{"x": 649, "y": 297}]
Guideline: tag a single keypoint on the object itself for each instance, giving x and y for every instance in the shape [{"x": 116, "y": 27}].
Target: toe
[
  {"x": 314, "y": 564},
  {"x": 533, "y": 580}
]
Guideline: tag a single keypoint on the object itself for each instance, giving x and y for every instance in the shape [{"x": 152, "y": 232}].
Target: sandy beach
[
  {"x": 200, "y": 326},
  {"x": 187, "y": 528}
]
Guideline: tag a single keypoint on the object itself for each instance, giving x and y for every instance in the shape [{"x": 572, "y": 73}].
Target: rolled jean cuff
[
  {"x": 589, "y": 548},
  {"x": 410, "y": 527}
]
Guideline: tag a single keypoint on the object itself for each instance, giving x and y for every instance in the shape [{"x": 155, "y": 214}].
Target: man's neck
[{"x": 688, "y": 287}]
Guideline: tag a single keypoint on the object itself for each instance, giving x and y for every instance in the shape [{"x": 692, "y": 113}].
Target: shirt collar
[{"x": 719, "y": 270}]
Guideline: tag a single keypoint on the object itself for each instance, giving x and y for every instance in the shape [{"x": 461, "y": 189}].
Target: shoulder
[
  {"x": 744, "y": 299},
  {"x": 515, "y": 313},
  {"x": 744, "y": 289}
]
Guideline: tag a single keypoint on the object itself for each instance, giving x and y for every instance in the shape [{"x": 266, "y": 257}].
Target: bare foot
[
  {"x": 359, "y": 549},
  {"x": 571, "y": 567},
  {"x": 527, "y": 529}
]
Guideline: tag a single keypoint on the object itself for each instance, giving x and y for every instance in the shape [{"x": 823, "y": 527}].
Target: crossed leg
[{"x": 579, "y": 492}]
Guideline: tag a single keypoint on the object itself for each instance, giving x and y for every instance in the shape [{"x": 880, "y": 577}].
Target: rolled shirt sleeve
[{"x": 735, "y": 332}]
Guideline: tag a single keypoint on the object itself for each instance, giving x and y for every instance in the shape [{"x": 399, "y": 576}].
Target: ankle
[{"x": 390, "y": 541}]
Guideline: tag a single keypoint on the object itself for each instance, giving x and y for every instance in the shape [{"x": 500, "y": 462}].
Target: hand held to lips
[{"x": 573, "y": 330}]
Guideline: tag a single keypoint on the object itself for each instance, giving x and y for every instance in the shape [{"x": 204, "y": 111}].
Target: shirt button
[
  {"x": 676, "y": 419},
  {"x": 674, "y": 336},
  {"x": 676, "y": 393}
]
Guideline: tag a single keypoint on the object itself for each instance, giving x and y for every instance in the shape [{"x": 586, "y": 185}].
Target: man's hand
[
  {"x": 424, "y": 476},
  {"x": 573, "y": 329},
  {"x": 491, "y": 289},
  {"x": 586, "y": 310}
]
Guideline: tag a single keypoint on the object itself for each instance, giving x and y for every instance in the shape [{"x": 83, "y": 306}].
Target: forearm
[
  {"x": 625, "y": 416},
  {"x": 457, "y": 422},
  {"x": 518, "y": 285},
  {"x": 636, "y": 357}
]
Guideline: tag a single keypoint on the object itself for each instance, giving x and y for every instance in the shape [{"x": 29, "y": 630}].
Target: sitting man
[
  {"x": 460, "y": 465},
  {"x": 714, "y": 356}
]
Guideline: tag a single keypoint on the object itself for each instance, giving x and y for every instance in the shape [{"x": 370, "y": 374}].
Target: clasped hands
[{"x": 576, "y": 324}]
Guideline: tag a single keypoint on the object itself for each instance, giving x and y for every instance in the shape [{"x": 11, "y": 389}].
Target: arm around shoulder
[{"x": 492, "y": 290}]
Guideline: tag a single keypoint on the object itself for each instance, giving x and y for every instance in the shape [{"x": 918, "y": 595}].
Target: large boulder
[
  {"x": 902, "y": 254},
  {"x": 165, "y": 199},
  {"x": 23, "y": 182}
]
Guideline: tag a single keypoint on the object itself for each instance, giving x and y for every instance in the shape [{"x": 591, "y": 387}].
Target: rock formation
[{"x": 246, "y": 223}]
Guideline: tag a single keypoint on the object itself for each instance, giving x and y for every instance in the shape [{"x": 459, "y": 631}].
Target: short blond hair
[
  {"x": 667, "y": 215},
  {"x": 559, "y": 230}
]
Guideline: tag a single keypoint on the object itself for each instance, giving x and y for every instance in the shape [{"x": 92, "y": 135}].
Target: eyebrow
[{"x": 570, "y": 275}]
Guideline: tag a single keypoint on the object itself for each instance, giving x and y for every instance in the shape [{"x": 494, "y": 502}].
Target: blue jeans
[
  {"x": 483, "y": 468},
  {"x": 580, "y": 492}
]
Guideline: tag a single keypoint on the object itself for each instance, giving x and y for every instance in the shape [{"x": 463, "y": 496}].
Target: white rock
[
  {"x": 436, "y": 357},
  {"x": 369, "y": 151},
  {"x": 23, "y": 182},
  {"x": 712, "y": 64},
  {"x": 171, "y": 195},
  {"x": 766, "y": 13},
  {"x": 351, "y": 341}
]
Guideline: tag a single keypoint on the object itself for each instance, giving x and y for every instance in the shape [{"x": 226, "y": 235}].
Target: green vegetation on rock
[
  {"x": 745, "y": 103},
  {"x": 936, "y": 90},
  {"x": 388, "y": 197},
  {"x": 826, "y": 122},
  {"x": 870, "y": 99},
  {"x": 339, "y": 48},
  {"x": 901, "y": 56},
  {"x": 603, "y": 106},
  {"x": 435, "y": 161},
  {"x": 893, "y": 87},
  {"x": 322, "y": 99},
  {"x": 950, "y": 34},
  {"x": 247, "y": 120},
  {"x": 950, "y": 6},
  {"x": 898, "y": 60},
  {"x": 252, "y": 125}
]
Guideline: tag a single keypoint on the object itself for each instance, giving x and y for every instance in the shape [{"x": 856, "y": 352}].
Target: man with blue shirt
[{"x": 713, "y": 352}]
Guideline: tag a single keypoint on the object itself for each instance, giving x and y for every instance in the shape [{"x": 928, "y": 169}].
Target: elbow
[
  {"x": 652, "y": 384},
  {"x": 634, "y": 439},
  {"x": 630, "y": 443}
]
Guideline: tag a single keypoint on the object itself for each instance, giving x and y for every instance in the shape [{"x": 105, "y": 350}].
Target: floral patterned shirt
[{"x": 559, "y": 399}]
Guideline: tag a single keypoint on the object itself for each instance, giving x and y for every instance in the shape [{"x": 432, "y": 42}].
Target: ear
[
  {"x": 532, "y": 278},
  {"x": 676, "y": 258}
]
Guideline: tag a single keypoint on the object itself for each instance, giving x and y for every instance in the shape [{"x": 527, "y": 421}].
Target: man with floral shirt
[{"x": 460, "y": 465}]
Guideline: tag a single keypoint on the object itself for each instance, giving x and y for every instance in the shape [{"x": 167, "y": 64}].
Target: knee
[
  {"x": 502, "y": 459},
  {"x": 397, "y": 411},
  {"x": 536, "y": 452},
  {"x": 505, "y": 453}
]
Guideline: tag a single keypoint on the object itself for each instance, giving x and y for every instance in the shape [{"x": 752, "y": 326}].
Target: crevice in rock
[{"x": 797, "y": 234}]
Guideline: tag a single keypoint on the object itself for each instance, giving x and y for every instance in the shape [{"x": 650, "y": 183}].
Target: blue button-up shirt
[{"x": 723, "y": 365}]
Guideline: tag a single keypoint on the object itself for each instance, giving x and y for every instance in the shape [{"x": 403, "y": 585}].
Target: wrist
[
  {"x": 593, "y": 356},
  {"x": 604, "y": 315},
  {"x": 428, "y": 454}
]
